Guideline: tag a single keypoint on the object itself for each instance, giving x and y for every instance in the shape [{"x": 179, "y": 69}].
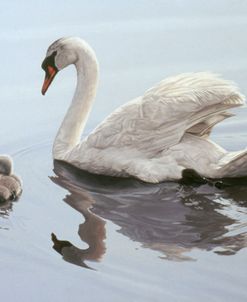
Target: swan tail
[{"x": 233, "y": 164}]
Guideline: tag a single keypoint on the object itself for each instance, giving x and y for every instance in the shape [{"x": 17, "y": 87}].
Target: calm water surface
[{"x": 73, "y": 236}]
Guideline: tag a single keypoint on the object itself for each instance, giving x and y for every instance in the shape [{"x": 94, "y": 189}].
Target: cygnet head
[
  {"x": 62, "y": 53},
  {"x": 5, "y": 165}
]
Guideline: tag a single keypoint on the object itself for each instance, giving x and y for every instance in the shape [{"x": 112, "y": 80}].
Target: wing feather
[{"x": 192, "y": 102}]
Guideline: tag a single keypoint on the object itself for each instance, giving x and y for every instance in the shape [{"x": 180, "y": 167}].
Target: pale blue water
[{"x": 152, "y": 243}]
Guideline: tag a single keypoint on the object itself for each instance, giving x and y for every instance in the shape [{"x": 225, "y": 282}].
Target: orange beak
[{"x": 50, "y": 73}]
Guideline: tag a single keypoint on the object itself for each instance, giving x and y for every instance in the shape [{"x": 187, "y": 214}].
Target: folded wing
[{"x": 192, "y": 102}]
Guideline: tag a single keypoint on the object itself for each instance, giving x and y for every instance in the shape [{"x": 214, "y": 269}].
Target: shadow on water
[{"x": 170, "y": 218}]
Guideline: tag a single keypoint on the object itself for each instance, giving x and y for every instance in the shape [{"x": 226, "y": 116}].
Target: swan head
[{"x": 60, "y": 54}]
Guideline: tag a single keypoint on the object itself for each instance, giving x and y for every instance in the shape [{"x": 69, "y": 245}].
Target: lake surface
[{"x": 73, "y": 236}]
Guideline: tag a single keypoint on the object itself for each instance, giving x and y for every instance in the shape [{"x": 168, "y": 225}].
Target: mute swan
[
  {"x": 154, "y": 137},
  {"x": 10, "y": 185}
]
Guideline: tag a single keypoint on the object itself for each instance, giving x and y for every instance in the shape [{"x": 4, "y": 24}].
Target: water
[{"x": 117, "y": 240}]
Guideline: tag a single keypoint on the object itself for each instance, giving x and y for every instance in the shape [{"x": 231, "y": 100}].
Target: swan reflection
[{"x": 170, "y": 218}]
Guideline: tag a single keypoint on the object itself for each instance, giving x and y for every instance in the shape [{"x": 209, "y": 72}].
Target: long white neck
[{"x": 69, "y": 133}]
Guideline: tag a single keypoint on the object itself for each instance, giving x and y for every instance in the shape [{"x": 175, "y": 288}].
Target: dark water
[{"x": 73, "y": 236}]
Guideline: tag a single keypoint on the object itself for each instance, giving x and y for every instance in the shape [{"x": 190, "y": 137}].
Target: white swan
[{"x": 153, "y": 137}]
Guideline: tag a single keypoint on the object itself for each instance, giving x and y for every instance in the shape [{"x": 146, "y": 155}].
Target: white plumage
[{"x": 153, "y": 137}]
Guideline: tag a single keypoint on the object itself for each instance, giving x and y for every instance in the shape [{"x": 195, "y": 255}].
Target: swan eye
[{"x": 49, "y": 61}]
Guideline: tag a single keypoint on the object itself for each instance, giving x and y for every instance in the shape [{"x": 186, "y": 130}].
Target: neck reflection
[{"x": 92, "y": 231}]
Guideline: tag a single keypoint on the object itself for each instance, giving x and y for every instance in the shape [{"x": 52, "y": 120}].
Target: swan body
[{"x": 153, "y": 137}]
